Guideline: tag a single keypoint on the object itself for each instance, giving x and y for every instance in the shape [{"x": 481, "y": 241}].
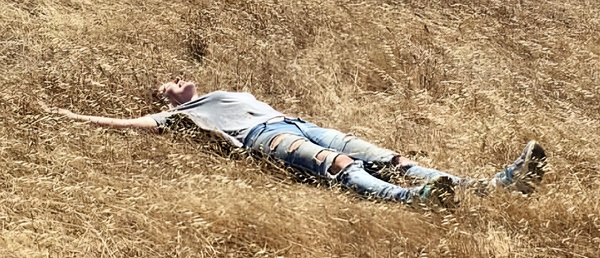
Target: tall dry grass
[{"x": 458, "y": 85}]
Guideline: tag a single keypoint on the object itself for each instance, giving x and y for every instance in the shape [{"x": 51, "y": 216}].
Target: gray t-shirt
[{"x": 232, "y": 114}]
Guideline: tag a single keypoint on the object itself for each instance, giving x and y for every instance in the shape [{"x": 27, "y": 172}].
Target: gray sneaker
[
  {"x": 438, "y": 191},
  {"x": 526, "y": 172}
]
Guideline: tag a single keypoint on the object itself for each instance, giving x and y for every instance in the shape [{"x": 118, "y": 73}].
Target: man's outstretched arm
[{"x": 141, "y": 122}]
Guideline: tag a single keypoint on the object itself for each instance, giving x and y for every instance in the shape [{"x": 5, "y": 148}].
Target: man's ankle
[{"x": 400, "y": 161}]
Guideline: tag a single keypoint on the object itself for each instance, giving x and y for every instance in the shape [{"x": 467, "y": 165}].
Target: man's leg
[
  {"x": 298, "y": 152},
  {"x": 522, "y": 175},
  {"x": 373, "y": 155}
]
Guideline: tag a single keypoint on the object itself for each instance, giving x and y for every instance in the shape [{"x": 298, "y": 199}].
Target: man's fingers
[
  {"x": 47, "y": 108},
  {"x": 44, "y": 106}
]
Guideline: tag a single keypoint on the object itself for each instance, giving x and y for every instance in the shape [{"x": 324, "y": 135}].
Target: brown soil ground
[{"x": 459, "y": 85}]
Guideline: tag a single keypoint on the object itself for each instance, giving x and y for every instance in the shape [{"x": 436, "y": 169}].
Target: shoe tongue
[
  {"x": 510, "y": 172},
  {"x": 517, "y": 163}
]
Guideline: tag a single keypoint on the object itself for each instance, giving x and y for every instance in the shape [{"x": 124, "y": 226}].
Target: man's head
[{"x": 179, "y": 91}]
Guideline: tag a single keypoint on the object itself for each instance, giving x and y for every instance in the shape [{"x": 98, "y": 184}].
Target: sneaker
[
  {"x": 526, "y": 172},
  {"x": 438, "y": 191}
]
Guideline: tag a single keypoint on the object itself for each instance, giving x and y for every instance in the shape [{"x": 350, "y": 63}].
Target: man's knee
[{"x": 340, "y": 162}]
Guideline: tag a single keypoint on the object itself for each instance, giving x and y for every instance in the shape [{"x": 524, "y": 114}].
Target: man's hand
[{"x": 55, "y": 110}]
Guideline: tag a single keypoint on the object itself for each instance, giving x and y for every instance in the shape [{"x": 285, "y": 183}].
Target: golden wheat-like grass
[{"x": 458, "y": 85}]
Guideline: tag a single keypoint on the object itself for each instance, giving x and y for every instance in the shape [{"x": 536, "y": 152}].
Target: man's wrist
[{"x": 73, "y": 115}]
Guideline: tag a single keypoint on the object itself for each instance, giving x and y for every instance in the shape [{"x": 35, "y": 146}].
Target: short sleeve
[{"x": 161, "y": 119}]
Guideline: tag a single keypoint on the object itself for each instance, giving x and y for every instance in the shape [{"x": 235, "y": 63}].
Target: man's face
[{"x": 179, "y": 91}]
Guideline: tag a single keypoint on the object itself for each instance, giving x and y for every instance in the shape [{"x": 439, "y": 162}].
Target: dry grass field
[{"x": 459, "y": 85}]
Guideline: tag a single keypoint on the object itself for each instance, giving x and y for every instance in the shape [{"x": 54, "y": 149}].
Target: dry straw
[{"x": 457, "y": 85}]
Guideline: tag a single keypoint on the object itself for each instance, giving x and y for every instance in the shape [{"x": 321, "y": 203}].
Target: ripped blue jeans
[{"x": 316, "y": 139}]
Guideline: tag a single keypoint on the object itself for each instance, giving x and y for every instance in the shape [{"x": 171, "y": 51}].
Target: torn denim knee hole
[
  {"x": 319, "y": 161},
  {"x": 276, "y": 141},
  {"x": 329, "y": 160}
]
